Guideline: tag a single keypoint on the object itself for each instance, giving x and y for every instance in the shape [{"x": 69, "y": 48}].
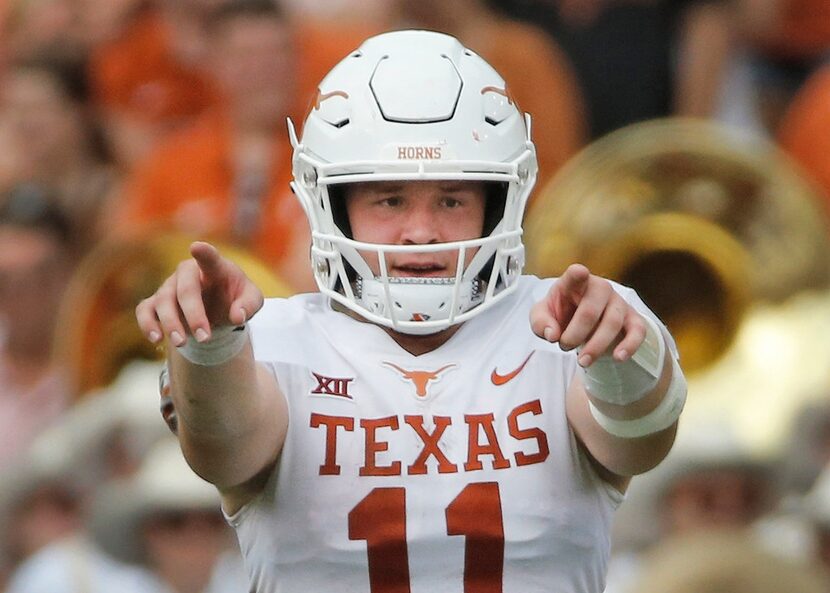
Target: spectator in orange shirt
[
  {"x": 226, "y": 176},
  {"x": 145, "y": 73},
  {"x": 787, "y": 41},
  {"x": 539, "y": 75},
  {"x": 790, "y": 30},
  {"x": 140, "y": 88},
  {"x": 805, "y": 130}
]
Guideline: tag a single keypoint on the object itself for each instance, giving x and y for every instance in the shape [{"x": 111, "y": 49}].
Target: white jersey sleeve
[{"x": 454, "y": 471}]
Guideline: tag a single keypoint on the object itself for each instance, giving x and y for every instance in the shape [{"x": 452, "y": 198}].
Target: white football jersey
[{"x": 454, "y": 471}]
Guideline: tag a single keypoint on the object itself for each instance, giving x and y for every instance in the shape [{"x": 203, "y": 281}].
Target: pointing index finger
[
  {"x": 207, "y": 256},
  {"x": 574, "y": 282}
]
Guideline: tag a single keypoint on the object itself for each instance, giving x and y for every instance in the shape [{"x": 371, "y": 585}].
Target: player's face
[{"x": 417, "y": 213}]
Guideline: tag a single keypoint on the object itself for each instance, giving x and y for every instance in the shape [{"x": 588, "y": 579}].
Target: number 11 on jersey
[{"x": 380, "y": 520}]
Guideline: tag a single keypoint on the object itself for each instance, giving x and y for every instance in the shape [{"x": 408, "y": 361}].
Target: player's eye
[{"x": 392, "y": 201}]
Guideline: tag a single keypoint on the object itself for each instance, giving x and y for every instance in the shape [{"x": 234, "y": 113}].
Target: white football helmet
[{"x": 414, "y": 105}]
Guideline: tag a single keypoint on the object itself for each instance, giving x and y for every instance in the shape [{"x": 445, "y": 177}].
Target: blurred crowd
[{"x": 122, "y": 121}]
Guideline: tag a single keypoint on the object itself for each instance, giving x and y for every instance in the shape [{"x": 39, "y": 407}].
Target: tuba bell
[
  {"x": 725, "y": 241},
  {"x": 97, "y": 331}
]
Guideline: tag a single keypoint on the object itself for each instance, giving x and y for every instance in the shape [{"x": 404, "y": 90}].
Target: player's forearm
[
  {"x": 631, "y": 456},
  {"x": 626, "y": 412},
  {"x": 227, "y": 419},
  {"x": 215, "y": 402}
]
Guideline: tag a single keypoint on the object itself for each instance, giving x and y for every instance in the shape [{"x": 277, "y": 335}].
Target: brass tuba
[
  {"x": 97, "y": 332},
  {"x": 723, "y": 238}
]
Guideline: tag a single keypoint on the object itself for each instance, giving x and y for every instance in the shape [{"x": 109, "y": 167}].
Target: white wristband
[
  {"x": 622, "y": 383},
  {"x": 660, "y": 418},
  {"x": 224, "y": 343}
]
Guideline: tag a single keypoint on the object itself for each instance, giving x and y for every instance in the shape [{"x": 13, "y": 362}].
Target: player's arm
[
  {"x": 624, "y": 404},
  {"x": 231, "y": 415}
]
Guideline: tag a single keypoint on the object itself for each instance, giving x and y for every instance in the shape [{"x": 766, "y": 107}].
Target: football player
[{"x": 431, "y": 419}]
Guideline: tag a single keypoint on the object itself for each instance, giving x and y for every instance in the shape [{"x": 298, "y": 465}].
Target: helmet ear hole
[
  {"x": 496, "y": 198},
  {"x": 339, "y": 212}
]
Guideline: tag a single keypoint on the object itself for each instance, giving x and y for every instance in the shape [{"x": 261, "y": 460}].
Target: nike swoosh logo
[{"x": 499, "y": 379}]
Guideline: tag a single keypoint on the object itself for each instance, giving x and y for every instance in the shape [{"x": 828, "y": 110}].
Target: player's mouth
[{"x": 419, "y": 270}]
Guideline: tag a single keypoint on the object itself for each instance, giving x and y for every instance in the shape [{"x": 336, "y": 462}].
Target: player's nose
[{"x": 421, "y": 226}]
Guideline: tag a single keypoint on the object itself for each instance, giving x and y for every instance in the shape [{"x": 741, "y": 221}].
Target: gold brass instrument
[
  {"x": 724, "y": 239},
  {"x": 97, "y": 331}
]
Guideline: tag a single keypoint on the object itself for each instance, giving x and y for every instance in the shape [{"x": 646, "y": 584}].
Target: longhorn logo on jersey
[{"x": 420, "y": 379}]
